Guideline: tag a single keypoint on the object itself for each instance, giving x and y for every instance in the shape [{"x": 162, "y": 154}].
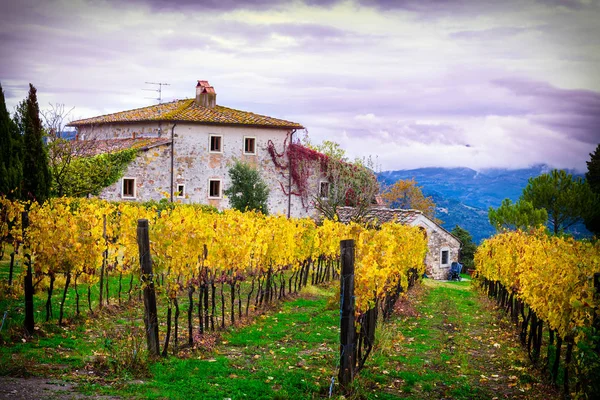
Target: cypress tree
[
  {"x": 10, "y": 162},
  {"x": 592, "y": 176},
  {"x": 36, "y": 173},
  {"x": 5, "y": 145},
  {"x": 468, "y": 248}
]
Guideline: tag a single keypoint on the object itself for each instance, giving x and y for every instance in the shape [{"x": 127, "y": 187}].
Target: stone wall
[
  {"x": 152, "y": 176},
  {"x": 195, "y": 165},
  {"x": 438, "y": 240}
]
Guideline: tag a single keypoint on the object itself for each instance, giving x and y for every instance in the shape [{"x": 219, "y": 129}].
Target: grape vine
[{"x": 203, "y": 255}]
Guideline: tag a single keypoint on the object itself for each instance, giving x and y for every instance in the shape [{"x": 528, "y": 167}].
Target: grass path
[{"x": 444, "y": 341}]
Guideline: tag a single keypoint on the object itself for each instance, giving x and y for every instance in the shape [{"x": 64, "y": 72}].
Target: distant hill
[{"x": 463, "y": 196}]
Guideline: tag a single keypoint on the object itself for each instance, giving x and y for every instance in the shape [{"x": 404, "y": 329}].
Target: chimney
[{"x": 205, "y": 95}]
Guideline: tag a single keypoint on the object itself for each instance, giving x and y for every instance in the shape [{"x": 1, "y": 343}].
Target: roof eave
[
  {"x": 76, "y": 125},
  {"x": 153, "y": 145},
  {"x": 442, "y": 228}
]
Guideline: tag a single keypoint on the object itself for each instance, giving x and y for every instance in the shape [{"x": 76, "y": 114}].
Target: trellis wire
[{"x": 3, "y": 318}]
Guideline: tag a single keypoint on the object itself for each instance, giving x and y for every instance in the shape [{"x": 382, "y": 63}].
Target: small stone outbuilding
[{"x": 443, "y": 247}]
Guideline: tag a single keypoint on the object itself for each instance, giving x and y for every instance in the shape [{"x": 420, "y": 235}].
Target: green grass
[
  {"x": 288, "y": 354},
  {"x": 449, "y": 345}
]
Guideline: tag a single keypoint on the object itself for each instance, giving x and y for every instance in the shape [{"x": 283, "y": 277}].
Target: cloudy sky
[{"x": 416, "y": 83}]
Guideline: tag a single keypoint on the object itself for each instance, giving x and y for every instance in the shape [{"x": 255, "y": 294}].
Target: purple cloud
[
  {"x": 413, "y": 80},
  {"x": 427, "y": 8},
  {"x": 224, "y": 5},
  {"x": 435, "y": 8},
  {"x": 575, "y": 111},
  {"x": 573, "y": 4},
  {"x": 306, "y": 36},
  {"x": 489, "y": 34}
]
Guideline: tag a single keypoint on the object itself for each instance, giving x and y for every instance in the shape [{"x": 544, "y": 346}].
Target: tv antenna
[
  {"x": 159, "y": 98},
  {"x": 158, "y": 90}
]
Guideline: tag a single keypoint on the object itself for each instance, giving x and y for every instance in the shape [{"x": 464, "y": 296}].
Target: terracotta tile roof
[
  {"x": 88, "y": 148},
  {"x": 188, "y": 111},
  {"x": 378, "y": 215}
]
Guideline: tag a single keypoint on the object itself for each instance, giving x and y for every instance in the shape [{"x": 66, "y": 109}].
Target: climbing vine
[
  {"x": 89, "y": 175},
  {"x": 350, "y": 184}
]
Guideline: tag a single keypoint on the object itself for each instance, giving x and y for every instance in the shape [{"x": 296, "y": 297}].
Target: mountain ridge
[{"x": 463, "y": 195}]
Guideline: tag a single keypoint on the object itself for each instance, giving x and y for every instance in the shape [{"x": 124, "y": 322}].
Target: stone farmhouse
[
  {"x": 186, "y": 148},
  {"x": 443, "y": 247}
]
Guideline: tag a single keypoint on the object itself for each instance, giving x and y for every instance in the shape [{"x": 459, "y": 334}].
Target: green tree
[
  {"x": 331, "y": 149},
  {"x": 520, "y": 215},
  {"x": 346, "y": 184},
  {"x": 10, "y": 162},
  {"x": 36, "y": 174},
  {"x": 247, "y": 190},
  {"x": 592, "y": 176},
  {"x": 468, "y": 247},
  {"x": 337, "y": 181},
  {"x": 567, "y": 200},
  {"x": 20, "y": 116}
]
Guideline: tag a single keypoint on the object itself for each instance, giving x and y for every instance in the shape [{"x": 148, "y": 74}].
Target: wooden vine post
[
  {"x": 150, "y": 314},
  {"x": 596, "y": 322},
  {"x": 347, "y": 329},
  {"x": 28, "y": 283},
  {"x": 104, "y": 259}
]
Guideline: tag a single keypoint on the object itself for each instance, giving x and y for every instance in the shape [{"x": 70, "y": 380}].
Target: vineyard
[
  {"x": 219, "y": 276},
  {"x": 222, "y": 267},
  {"x": 552, "y": 283}
]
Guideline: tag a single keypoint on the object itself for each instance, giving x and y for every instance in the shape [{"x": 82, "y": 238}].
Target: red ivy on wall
[{"x": 300, "y": 161}]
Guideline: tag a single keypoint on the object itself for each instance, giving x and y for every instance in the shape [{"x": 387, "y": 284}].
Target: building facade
[{"x": 190, "y": 146}]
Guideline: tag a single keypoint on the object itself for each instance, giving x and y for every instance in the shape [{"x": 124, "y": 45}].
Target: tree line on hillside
[{"x": 556, "y": 199}]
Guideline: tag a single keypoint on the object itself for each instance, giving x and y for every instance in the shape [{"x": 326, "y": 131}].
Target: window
[
  {"x": 445, "y": 254},
  {"x": 216, "y": 144},
  {"x": 128, "y": 188},
  {"x": 214, "y": 189},
  {"x": 324, "y": 189},
  {"x": 249, "y": 145},
  {"x": 180, "y": 191}
]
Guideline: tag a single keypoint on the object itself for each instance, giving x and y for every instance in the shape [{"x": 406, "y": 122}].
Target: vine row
[{"x": 549, "y": 282}]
